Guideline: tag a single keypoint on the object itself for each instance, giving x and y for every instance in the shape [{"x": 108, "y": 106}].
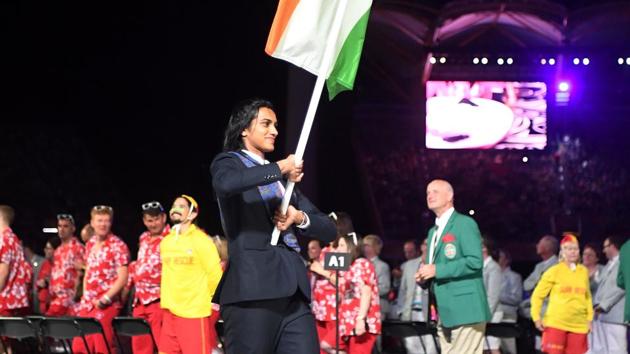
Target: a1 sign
[{"x": 336, "y": 261}]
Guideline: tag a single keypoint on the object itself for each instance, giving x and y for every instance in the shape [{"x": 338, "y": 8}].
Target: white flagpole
[{"x": 312, "y": 107}]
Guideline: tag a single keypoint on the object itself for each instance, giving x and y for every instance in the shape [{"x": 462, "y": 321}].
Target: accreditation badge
[{"x": 450, "y": 251}]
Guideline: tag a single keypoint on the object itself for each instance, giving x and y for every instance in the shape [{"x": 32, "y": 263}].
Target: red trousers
[
  {"x": 557, "y": 341},
  {"x": 326, "y": 332},
  {"x": 24, "y": 311},
  {"x": 152, "y": 313},
  {"x": 57, "y": 311},
  {"x": 95, "y": 341},
  {"x": 361, "y": 344},
  {"x": 186, "y": 335}
]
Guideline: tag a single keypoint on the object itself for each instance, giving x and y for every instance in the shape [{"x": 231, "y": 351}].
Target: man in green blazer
[
  {"x": 623, "y": 277},
  {"x": 455, "y": 270}
]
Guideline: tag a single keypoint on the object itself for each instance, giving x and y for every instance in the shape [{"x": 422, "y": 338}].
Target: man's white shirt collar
[
  {"x": 611, "y": 263},
  {"x": 443, "y": 219}
]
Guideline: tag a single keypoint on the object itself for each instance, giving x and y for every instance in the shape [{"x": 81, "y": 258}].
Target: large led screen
[{"x": 486, "y": 115}]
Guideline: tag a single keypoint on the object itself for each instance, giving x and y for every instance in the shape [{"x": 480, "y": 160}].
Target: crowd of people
[
  {"x": 566, "y": 186},
  {"x": 94, "y": 277}
]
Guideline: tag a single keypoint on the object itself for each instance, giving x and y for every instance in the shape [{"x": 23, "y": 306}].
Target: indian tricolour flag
[{"x": 300, "y": 30}]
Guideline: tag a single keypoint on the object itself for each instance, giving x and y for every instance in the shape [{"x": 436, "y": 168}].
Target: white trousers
[{"x": 608, "y": 338}]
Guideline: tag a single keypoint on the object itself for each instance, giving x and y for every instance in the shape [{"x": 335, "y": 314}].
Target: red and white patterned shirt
[
  {"x": 102, "y": 268},
  {"x": 361, "y": 273},
  {"x": 65, "y": 276},
  {"x": 147, "y": 272},
  {"x": 323, "y": 302},
  {"x": 17, "y": 286}
]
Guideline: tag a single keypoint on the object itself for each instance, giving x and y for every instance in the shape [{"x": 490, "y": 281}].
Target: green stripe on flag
[{"x": 345, "y": 70}]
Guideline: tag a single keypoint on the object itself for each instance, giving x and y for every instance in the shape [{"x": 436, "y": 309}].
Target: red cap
[{"x": 568, "y": 238}]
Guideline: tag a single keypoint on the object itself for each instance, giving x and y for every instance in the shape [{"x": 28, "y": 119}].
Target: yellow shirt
[
  {"x": 191, "y": 271},
  {"x": 570, "y": 306}
]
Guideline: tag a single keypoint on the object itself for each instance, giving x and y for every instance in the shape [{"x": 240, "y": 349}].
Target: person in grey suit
[
  {"x": 609, "y": 333},
  {"x": 590, "y": 259},
  {"x": 511, "y": 296},
  {"x": 413, "y": 304},
  {"x": 492, "y": 280},
  {"x": 372, "y": 246},
  {"x": 547, "y": 249}
]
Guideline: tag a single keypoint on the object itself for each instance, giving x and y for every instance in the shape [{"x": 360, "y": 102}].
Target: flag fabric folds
[{"x": 300, "y": 30}]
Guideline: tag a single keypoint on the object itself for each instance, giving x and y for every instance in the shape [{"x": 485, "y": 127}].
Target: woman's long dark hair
[{"x": 242, "y": 115}]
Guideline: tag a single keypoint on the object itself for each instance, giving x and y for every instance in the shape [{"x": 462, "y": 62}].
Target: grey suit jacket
[
  {"x": 511, "y": 293},
  {"x": 530, "y": 282},
  {"x": 492, "y": 280},
  {"x": 609, "y": 296},
  {"x": 383, "y": 277},
  {"x": 407, "y": 289}
]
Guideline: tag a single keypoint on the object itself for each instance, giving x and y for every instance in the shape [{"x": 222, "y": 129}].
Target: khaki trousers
[{"x": 465, "y": 339}]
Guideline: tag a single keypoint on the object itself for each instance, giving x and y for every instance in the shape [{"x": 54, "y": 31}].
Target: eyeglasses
[
  {"x": 152, "y": 205},
  {"x": 65, "y": 217},
  {"x": 102, "y": 207}
]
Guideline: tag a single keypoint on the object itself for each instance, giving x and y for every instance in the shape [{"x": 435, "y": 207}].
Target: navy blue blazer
[{"x": 257, "y": 270}]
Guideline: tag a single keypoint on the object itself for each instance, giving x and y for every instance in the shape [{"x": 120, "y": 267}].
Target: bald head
[
  {"x": 439, "y": 196},
  {"x": 547, "y": 246}
]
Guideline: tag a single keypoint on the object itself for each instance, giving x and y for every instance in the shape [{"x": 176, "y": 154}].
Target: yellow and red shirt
[
  {"x": 570, "y": 306},
  {"x": 65, "y": 276},
  {"x": 191, "y": 270}
]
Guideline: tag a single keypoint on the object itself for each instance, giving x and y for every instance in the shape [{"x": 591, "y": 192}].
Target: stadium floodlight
[{"x": 563, "y": 86}]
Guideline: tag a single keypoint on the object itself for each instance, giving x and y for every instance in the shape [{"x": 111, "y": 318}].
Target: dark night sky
[{"x": 145, "y": 88}]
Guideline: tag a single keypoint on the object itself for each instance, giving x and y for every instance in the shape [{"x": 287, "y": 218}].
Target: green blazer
[{"x": 458, "y": 285}]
